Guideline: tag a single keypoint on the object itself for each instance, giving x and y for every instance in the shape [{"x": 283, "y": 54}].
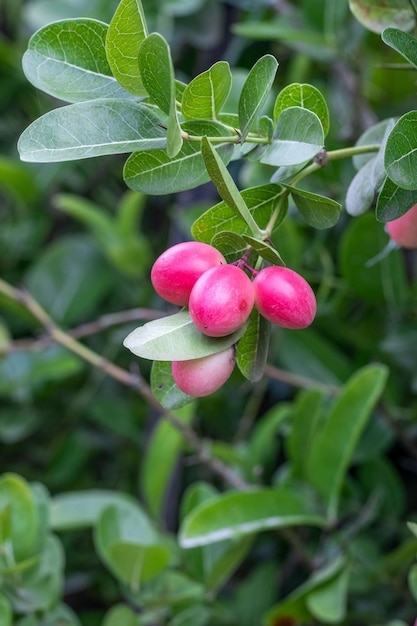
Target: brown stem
[{"x": 132, "y": 380}]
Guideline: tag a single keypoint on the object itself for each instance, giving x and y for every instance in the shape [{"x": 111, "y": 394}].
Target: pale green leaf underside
[
  {"x": 126, "y": 32},
  {"x": 89, "y": 129},
  {"x": 205, "y": 95},
  {"x": 68, "y": 60},
  {"x": 175, "y": 338},
  {"x": 236, "y": 514},
  {"x": 376, "y": 15},
  {"x": 299, "y": 138}
]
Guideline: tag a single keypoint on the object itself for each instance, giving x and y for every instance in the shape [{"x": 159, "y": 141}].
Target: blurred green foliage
[{"x": 106, "y": 515}]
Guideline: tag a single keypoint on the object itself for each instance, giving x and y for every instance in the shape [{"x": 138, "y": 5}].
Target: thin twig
[{"x": 132, "y": 380}]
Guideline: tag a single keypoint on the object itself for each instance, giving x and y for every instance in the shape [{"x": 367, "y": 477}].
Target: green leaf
[
  {"x": 161, "y": 456},
  {"x": 332, "y": 450},
  {"x": 252, "y": 348},
  {"x": 175, "y": 338},
  {"x": 89, "y": 129},
  {"x": 308, "y": 409},
  {"x": 393, "y": 201},
  {"x": 157, "y": 72},
  {"x": 255, "y": 92},
  {"x": 237, "y": 514},
  {"x": 195, "y": 615},
  {"x": 402, "y": 42},
  {"x": 231, "y": 245},
  {"x": 366, "y": 183},
  {"x": 206, "y": 94},
  {"x": 264, "y": 250},
  {"x": 305, "y": 96},
  {"x": 318, "y": 211},
  {"x": 375, "y": 134},
  {"x": 226, "y": 186},
  {"x": 5, "y": 611},
  {"x": 82, "y": 509},
  {"x": 401, "y": 152},
  {"x": 261, "y": 202},
  {"x": 295, "y": 603},
  {"x": 126, "y": 32},
  {"x": 156, "y": 173},
  {"x": 120, "y": 614},
  {"x": 375, "y": 15},
  {"x": 16, "y": 494},
  {"x": 164, "y": 388},
  {"x": 328, "y": 603},
  {"x": 129, "y": 545},
  {"x": 67, "y": 60},
  {"x": 299, "y": 138}
]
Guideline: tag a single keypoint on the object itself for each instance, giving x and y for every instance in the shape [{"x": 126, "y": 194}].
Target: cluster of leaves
[{"x": 305, "y": 540}]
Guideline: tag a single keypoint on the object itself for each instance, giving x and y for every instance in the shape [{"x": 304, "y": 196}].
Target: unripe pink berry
[
  {"x": 221, "y": 300},
  {"x": 404, "y": 229},
  {"x": 175, "y": 272},
  {"x": 284, "y": 297},
  {"x": 201, "y": 377}
]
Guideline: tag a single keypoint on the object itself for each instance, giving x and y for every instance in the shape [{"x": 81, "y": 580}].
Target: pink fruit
[
  {"x": 404, "y": 229},
  {"x": 221, "y": 300},
  {"x": 201, "y": 377},
  {"x": 284, "y": 297},
  {"x": 175, "y": 272}
]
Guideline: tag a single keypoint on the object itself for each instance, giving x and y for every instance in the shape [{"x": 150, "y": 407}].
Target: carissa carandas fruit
[
  {"x": 176, "y": 270},
  {"x": 403, "y": 230},
  {"x": 221, "y": 300},
  {"x": 284, "y": 297},
  {"x": 202, "y": 377}
]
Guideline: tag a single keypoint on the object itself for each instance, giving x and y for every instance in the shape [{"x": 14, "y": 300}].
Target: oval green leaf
[
  {"x": 157, "y": 72},
  {"x": 255, "y": 91},
  {"x": 236, "y": 514},
  {"x": 206, "y": 94},
  {"x": 252, "y": 348},
  {"x": 126, "y": 32},
  {"x": 318, "y": 211},
  {"x": 402, "y": 42},
  {"x": 67, "y": 60},
  {"x": 305, "y": 96},
  {"x": 82, "y": 509},
  {"x": 129, "y": 545},
  {"x": 155, "y": 173},
  {"x": 89, "y": 129},
  {"x": 376, "y": 15},
  {"x": 393, "y": 201},
  {"x": 175, "y": 338},
  {"x": 401, "y": 152},
  {"x": 299, "y": 138},
  {"x": 331, "y": 451}
]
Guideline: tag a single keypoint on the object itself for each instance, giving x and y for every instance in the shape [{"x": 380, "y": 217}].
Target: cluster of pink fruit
[{"x": 220, "y": 297}]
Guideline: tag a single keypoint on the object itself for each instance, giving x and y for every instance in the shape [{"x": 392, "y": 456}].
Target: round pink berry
[
  {"x": 221, "y": 300},
  {"x": 284, "y": 297},
  {"x": 175, "y": 272},
  {"x": 201, "y": 377}
]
